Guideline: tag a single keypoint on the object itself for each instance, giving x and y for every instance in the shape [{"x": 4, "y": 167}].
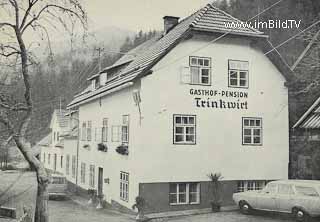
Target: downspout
[{"x": 77, "y": 167}]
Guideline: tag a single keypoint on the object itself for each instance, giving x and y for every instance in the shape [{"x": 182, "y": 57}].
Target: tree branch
[{"x": 64, "y": 9}]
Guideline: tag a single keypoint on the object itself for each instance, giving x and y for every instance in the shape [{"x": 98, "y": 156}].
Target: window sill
[
  {"x": 177, "y": 143},
  {"x": 178, "y": 204}
]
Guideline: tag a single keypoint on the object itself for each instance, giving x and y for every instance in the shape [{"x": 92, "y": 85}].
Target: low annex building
[{"x": 180, "y": 106}]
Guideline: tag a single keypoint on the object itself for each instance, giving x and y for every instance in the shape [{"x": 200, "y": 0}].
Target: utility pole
[{"x": 100, "y": 51}]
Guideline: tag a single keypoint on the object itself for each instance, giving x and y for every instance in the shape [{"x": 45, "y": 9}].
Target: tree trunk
[{"x": 42, "y": 212}]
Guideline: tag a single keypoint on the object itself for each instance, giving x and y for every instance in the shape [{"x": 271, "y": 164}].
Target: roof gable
[
  {"x": 311, "y": 118},
  {"x": 60, "y": 117},
  {"x": 140, "y": 60}
]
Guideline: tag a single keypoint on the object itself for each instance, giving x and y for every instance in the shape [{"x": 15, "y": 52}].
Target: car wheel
[
  {"x": 300, "y": 215},
  {"x": 244, "y": 207}
]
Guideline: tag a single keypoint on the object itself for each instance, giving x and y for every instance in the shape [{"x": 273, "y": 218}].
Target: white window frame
[
  {"x": 196, "y": 62},
  {"x": 252, "y": 127},
  {"x": 125, "y": 129},
  {"x": 184, "y": 126},
  {"x": 187, "y": 194},
  {"x": 246, "y": 185},
  {"x": 238, "y": 67},
  {"x": 124, "y": 186}
]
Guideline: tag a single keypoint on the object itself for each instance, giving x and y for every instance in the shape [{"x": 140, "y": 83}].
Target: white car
[
  {"x": 57, "y": 188},
  {"x": 299, "y": 197}
]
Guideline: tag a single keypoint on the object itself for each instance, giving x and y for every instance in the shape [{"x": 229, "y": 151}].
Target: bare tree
[{"x": 20, "y": 18}]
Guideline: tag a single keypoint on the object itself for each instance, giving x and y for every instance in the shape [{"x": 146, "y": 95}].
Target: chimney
[{"x": 169, "y": 23}]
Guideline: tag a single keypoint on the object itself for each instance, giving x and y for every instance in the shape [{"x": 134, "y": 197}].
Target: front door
[
  {"x": 266, "y": 199},
  {"x": 100, "y": 181}
]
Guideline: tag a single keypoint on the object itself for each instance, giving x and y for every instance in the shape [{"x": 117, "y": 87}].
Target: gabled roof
[
  {"x": 61, "y": 117},
  {"x": 311, "y": 118},
  {"x": 208, "y": 19},
  {"x": 46, "y": 141}
]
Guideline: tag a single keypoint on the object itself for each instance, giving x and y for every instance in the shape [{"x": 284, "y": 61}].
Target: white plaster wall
[
  {"x": 111, "y": 107},
  {"x": 219, "y": 132}
]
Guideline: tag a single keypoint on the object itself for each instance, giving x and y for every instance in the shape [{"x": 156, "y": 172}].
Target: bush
[{"x": 122, "y": 149}]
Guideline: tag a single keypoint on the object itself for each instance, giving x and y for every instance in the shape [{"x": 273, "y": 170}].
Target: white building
[
  {"x": 183, "y": 105},
  {"x": 53, "y": 146}
]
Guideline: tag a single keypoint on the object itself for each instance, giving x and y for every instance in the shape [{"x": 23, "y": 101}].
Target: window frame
[
  {"x": 252, "y": 128},
  {"x": 184, "y": 126},
  {"x": 124, "y": 183},
  {"x": 187, "y": 193},
  {"x": 243, "y": 185},
  {"x": 238, "y": 72},
  {"x": 125, "y": 126},
  {"x": 200, "y": 68}
]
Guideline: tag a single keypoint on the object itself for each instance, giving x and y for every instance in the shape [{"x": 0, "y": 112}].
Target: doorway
[{"x": 100, "y": 181}]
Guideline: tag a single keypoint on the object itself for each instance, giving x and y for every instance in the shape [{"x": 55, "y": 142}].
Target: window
[
  {"x": 95, "y": 83},
  {"x": 238, "y": 74},
  {"x": 89, "y": 131},
  {"x": 61, "y": 161},
  {"x": 116, "y": 132},
  {"x": 124, "y": 186},
  {"x": 271, "y": 188},
  {"x": 285, "y": 189},
  {"x": 250, "y": 185},
  {"x": 54, "y": 136},
  {"x": 73, "y": 166},
  {"x": 92, "y": 176},
  {"x": 49, "y": 157},
  {"x": 252, "y": 131},
  {"x": 184, "y": 129},
  {"x": 83, "y": 173},
  {"x": 105, "y": 130},
  {"x": 84, "y": 131},
  {"x": 307, "y": 191},
  {"x": 184, "y": 193},
  {"x": 125, "y": 129},
  {"x": 200, "y": 70},
  {"x": 58, "y": 137},
  {"x": 67, "y": 164},
  {"x": 44, "y": 157}
]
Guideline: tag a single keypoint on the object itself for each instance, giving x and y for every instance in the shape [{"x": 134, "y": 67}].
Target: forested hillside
[
  {"x": 305, "y": 88},
  {"x": 56, "y": 81}
]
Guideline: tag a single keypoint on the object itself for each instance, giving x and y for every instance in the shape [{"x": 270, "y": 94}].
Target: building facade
[{"x": 179, "y": 107}]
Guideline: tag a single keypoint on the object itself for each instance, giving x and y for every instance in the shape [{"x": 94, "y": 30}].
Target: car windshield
[{"x": 307, "y": 191}]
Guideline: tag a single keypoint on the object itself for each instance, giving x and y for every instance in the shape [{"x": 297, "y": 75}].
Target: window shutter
[
  {"x": 103, "y": 79},
  {"x": 99, "y": 134},
  {"x": 185, "y": 75}
]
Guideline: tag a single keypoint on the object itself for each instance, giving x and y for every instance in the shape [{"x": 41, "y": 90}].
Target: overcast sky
[{"x": 138, "y": 14}]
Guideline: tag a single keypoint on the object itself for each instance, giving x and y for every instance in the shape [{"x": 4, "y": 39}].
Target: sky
[{"x": 135, "y": 15}]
